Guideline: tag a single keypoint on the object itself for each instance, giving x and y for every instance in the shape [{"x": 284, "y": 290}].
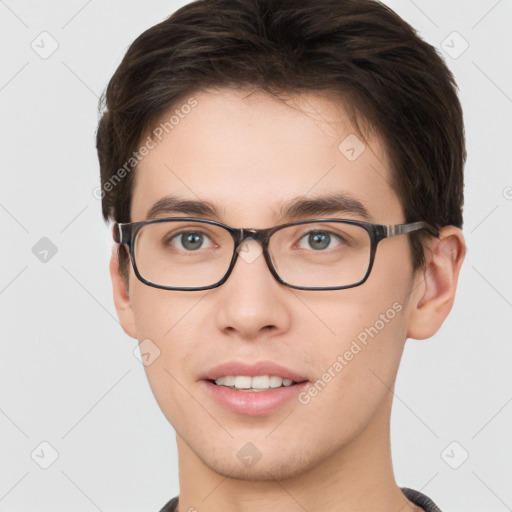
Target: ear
[
  {"x": 434, "y": 288},
  {"x": 121, "y": 296}
]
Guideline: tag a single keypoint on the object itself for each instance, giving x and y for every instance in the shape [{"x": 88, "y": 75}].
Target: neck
[{"x": 355, "y": 478}]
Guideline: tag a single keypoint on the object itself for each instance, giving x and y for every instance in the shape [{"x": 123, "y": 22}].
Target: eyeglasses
[{"x": 188, "y": 253}]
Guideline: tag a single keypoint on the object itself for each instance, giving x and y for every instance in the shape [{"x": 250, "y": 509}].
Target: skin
[{"x": 247, "y": 153}]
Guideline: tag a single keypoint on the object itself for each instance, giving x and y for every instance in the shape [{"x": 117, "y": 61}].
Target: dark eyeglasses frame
[{"x": 126, "y": 233}]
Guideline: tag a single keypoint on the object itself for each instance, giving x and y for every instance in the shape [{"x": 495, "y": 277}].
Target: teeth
[
  {"x": 243, "y": 382},
  {"x": 226, "y": 381},
  {"x": 275, "y": 382},
  {"x": 258, "y": 383}
]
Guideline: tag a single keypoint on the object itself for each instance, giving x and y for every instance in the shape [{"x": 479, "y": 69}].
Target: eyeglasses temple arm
[
  {"x": 400, "y": 229},
  {"x": 117, "y": 233}
]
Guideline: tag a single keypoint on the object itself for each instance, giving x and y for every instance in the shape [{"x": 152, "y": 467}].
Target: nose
[{"x": 252, "y": 302}]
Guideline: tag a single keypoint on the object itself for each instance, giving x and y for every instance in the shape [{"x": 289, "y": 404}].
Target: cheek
[
  {"x": 365, "y": 334},
  {"x": 161, "y": 313},
  {"x": 368, "y": 327},
  {"x": 355, "y": 369},
  {"x": 167, "y": 323}
]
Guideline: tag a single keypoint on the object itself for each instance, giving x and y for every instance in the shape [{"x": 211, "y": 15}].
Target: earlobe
[
  {"x": 121, "y": 296},
  {"x": 434, "y": 290}
]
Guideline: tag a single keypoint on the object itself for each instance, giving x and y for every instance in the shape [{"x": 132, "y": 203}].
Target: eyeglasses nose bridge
[
  {"x": 248, "y": 254},
  {"x": 258, "y": 235}
]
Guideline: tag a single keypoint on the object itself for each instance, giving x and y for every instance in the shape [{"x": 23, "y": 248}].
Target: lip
[
  {"x": 252, "y": 403},
  {"x": 252, "y": 370}
]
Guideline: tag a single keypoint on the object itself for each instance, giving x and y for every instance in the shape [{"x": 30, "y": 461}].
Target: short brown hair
[{"x": 357, "y": 49}]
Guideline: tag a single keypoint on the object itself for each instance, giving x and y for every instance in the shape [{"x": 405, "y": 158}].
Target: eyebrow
[
  {"x": 324, "y": 205},
  {"x": 340, "y": 203},
  {"x": 175, "y": 205}
]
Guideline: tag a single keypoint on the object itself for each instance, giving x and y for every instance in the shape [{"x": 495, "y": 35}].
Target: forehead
[{"x": 249, "y": 154}]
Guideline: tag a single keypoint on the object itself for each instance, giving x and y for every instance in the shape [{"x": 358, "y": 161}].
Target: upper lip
[{"x": 252, "y": 370}]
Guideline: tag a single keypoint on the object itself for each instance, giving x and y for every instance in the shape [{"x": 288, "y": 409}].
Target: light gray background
[{"x": 68, "y": 375}]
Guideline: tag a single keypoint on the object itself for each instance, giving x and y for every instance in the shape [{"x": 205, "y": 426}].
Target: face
[{"x": 248, "y": 156}]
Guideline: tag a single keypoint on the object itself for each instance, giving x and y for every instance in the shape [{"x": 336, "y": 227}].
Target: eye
[
  {"x": 319, "y": 240},
  {"x": 189, "y": 240}
]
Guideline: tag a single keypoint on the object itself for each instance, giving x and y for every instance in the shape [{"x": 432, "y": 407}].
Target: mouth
[
  {"x": 254, "y": 384},
  {"x": 253, "y": 389}
]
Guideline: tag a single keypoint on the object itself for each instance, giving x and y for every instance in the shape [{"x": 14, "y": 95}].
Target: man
[{"x": 286, "y": 180}]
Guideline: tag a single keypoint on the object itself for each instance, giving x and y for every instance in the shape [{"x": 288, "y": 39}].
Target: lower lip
[{"x": 253, "y": 403}]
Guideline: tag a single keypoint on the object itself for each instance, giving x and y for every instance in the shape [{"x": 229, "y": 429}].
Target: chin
[{"x": 274, "y": 464}]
